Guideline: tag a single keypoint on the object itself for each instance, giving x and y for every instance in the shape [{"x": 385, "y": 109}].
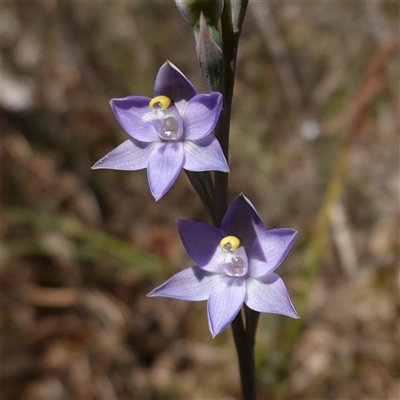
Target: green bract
[{"x": 191, "y": 10}]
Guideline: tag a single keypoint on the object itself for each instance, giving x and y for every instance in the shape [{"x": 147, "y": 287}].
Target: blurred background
[{"x": 314, "y": 145}]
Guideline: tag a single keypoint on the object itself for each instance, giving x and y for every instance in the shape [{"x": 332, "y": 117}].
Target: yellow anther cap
[
  {"x": 160, "y": 103},
  {"x": 230, "y": 243}
]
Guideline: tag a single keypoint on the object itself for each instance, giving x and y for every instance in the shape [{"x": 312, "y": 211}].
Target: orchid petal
[
  {"x": 224, "y": 303},
  {"x": 191, "y": 284},
  {"x": 201, "y": 242},
  {"x": 131, "y": 155},
  {"x": 165, "y": 162},
  {"x": 269, "y": 249},
  {"x": 242, "y": 220},
  {"x": 204, "y": 155},
  {"x": 269, "y": 294},
  {"x": 172, "y": 83},
  {"x": 201, "y": 115},
  {"x": 129, "y": 112}
]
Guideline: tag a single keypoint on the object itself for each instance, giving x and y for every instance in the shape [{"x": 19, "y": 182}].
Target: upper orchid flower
[
  {"x": 168, "y": 132},
  {"x": 235, "y": 265}
]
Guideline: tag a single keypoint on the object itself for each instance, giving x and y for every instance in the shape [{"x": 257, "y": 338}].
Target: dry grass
[{"x": 82, "y": 248}]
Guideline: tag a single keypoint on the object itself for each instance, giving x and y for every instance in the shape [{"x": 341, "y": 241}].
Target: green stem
[
  {"x": 231, "y": 23},
  {"x": 245, "y": 354},
  {"x": 251, "y": 325},
  {"x": 230, "y": 44},
  {"x": 244, "y": 338},
  {"x": 203, "y": 184},
  {"x": 244, "y": 341}
]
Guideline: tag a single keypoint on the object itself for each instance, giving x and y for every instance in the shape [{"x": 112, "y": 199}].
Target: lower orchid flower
[
  {"x": 168, "y": 132},
  {"x": 234, "y": 265}
]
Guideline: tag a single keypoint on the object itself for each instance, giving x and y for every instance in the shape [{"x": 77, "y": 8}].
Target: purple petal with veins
[
  {"x": 242, "y": 220},
  {"x": 204, "y": 155},
  {"x": 269, "y": 249},
  {"x": 130, "y": 112},
  {"x": 269, "y": 294},
  {"x": 172, "y": 83},
  {"x": 201, "y": 242},
  {"x": 192, "y": 284},
  {"x": 165, "y": 162},
  {"x": 201, "y": 115},
  {"x": 224, "y": 303},
  {"x": 130, "y": 155}
]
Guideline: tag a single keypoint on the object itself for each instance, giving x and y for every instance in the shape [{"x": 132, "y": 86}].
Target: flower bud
[
  {"x": 191, "y": 10},
  {"x": 210, "y": 57}
]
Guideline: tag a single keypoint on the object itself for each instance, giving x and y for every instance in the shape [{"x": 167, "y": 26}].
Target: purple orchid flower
[
  {"x": 235, "y": 265},
  {"x": 168, "y": 132}
]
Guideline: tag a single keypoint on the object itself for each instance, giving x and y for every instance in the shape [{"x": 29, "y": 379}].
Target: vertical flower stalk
[
  {"x": 232, "y": 19},
  {"x": 231, "y": 22}
]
